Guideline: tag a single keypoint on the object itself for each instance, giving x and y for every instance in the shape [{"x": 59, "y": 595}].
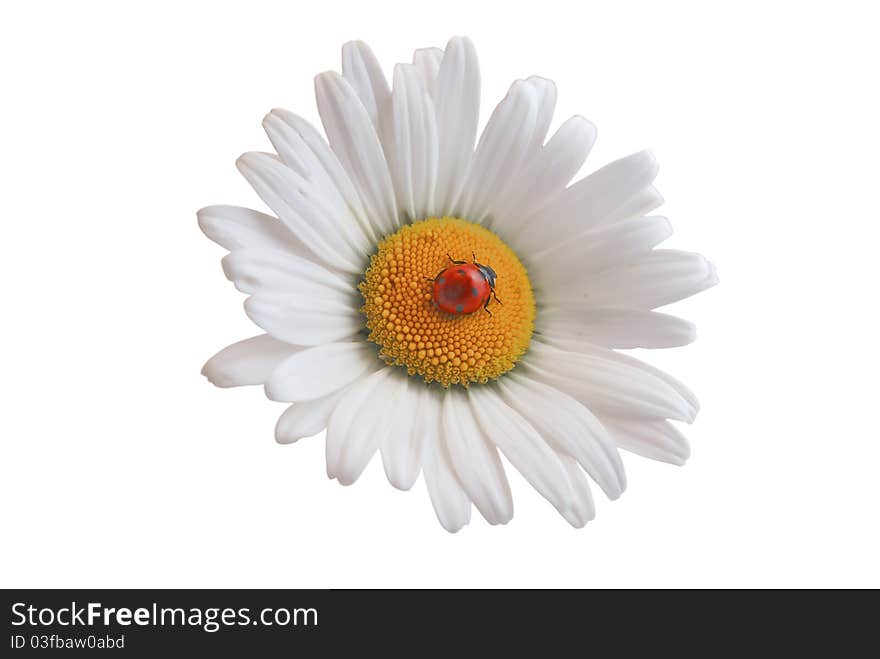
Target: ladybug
[{"x": 464, "y": 287}]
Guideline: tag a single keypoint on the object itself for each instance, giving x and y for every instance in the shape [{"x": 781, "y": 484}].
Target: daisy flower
[{"x": 443, "y": 300}]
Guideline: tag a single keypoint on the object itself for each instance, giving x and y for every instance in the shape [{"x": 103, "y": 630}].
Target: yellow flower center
[{"x": 412, "y": 332}]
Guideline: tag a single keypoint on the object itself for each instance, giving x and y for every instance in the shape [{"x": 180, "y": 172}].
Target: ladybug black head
[{"x": 487, "y": 272}]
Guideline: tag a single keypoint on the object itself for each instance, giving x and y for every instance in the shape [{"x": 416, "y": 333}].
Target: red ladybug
[{"x": 464, "y": 287}]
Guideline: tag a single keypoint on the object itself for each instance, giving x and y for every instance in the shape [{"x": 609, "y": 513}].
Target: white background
[{"x": 122, "y": 466}]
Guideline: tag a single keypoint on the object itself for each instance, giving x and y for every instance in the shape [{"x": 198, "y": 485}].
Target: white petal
[
  {"x": 450, "y": 501},
  {"x": 302, "y": 148},
  {"x": 303, "y": 208},
  {"x": 307, "y": 418},
  {"x": 413, "y": 154},
  {"x": 303, "y": 319},
  {"x": 501, "y": 151},
  {"x": 356, "y": 144},
  {"x": 522, "y": 446},
  {"x": 317, "y": 372},
  {"x": 613, "y": 328},
  {"x": 569, "y": 428},
  {"x": 358, "y": 425},
  {"x": 545, "y": 93},
  {"x": 641, "y": 203},
  {"x": 457, "y": 103},
  {"x": 295, "y": 139},
  {"x": 296, "y": 301},
  {"x": 661, "y": 277},
  {"x": 606, "y": 386},
  {"x": 361, "y": 69},
  {"x": 589, "y": 202},
  {"x": 523, "y": 177},
  {"x": 260, "y": 270},
  {"x": 582, "y": 256},
  {"x": 545, "y": 175},
  {"x": 247, "y": 362},
  {"x": 475, "y": 461},
  {"x": 583, "y": 509},
  {"x": 402, "y": 446},
  {"x": 427, "y": 61},
  {"x": 234, "y": 227},
  {"x": 604, "y": 353},
  {"x": 657, "y": 440}
]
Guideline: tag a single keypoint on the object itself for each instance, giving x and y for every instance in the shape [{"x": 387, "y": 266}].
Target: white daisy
[{"x": 353, "y": 287}]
